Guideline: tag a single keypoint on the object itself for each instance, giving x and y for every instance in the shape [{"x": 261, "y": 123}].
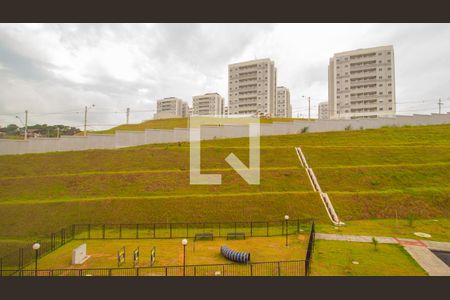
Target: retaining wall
[{"x": 158, "y": 136}]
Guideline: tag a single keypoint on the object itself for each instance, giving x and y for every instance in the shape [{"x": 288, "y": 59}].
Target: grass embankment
[
  {"x": 368, "y": 174},
  {"x": 335, "y": 258},
  {"x": 169, "y": 252},
  {"x": 171, "y": 124},
  {"x": 438, "y": 228}
]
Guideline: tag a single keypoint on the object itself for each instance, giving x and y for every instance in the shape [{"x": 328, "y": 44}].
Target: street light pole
[
  {"x": 184, "y": 243},
  {"x": 85, "y": 118},
  {"x": 26, "y": 124},
  {"x": 36, "y": 247},
  {"x": 286, "y": 218}
]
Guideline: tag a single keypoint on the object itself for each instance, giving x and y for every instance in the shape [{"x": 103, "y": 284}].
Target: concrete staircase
[{"x": 316, "y": 187}]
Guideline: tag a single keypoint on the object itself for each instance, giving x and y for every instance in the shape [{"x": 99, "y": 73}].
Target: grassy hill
[
  {"x": 369, "y": 174},
  {"x": 173, "y": 123}
]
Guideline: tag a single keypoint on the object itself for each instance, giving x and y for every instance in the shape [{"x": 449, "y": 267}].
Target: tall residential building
[
  {"x": 210, "y": 104},
  {"x": 323, "y": 110},
  {"x": 283, "y": 108},
  {"x": 226, "y": 111},
  {"x": 252, "y": 87},
  {"x": 361, "y": 84},
  {"x": 170, "y": 108}
]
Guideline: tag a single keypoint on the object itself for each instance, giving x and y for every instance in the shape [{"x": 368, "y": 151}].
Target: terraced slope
[{"x": 368, "y": 174}]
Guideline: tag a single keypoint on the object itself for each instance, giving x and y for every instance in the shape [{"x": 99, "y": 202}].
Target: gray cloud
[{"x": 49, "y": 68}]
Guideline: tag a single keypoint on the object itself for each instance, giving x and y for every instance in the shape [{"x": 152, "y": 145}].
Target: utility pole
[
  {"x": 309, "y": 108},
  {"x": 85, "y": 120},
  {"x": 440, "y": 104},
  {"x": 26, "y": 125},
  {"x": 57, "y": 132},
  {"x": 128, "y": 115}
]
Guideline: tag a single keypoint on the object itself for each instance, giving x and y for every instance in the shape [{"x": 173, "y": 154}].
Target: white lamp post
[
  {"x": 286, "y": 218},
  {"x": 184, "y": 242},
  {"x": 36, "y": 247}
]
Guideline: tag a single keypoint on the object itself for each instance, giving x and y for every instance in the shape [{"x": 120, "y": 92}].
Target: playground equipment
[{"x": 240, "y": 257}]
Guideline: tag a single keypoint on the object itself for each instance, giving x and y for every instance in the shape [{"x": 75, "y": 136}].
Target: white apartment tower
[
  {"x": 283, "y": 108},
  {"x": 210, "y": 104},
  {"x": 170, "y": 108},
  {"x": 361, "y": 84},
  {"x": 252, "y": 88},
  {"x": 323, "y": 110}
]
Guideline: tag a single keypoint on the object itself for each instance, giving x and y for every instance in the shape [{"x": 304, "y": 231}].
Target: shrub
[{"x": 375, "y": 243}]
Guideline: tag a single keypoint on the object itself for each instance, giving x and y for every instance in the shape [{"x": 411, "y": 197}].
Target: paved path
[
  {"x": 418, "y": 249},
  {"x": 428, "y": 261}
]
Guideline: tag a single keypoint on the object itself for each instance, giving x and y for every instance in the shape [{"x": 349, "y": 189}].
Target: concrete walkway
[{"x": 418, "y": 249}]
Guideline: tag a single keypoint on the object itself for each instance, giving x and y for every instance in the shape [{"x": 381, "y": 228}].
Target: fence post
[
  {"x": 73, "y": 231},
  {"x": 195, "y": 271},
  {"x": 52, "y": 240},
  {"x": 251, "y": 269},
  {"x": 137, "y": 231},
  {"x": 120, "y": 231},
  {"x": 267, "y": 226},
  {"x": 80, "y": 272},
  {"x": 165, "y": 270},
  {"x": 251, "y": 228},
  {"x": 170, "y": 228},
  {"x": 21, "y": 261},
  {"x": 154, "y": 232},
  {"x": 137, "y": 271},
  {"x": 279, "y": 273},
  {"x": 109, "y": 272}
]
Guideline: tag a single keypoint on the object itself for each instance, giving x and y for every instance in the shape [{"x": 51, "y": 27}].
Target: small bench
[
  {"x": 236, "y": 236},
  {"x": 204, "y": 236}
]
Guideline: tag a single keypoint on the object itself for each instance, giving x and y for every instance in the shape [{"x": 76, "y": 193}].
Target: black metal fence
[
  {"x": 277, "y": 268},
  {"x": 15, "y": 262},
  {"x": 186, "y": 230},
  {"x": 18, "y": 260},
  {"x": 310, "y": 250}
]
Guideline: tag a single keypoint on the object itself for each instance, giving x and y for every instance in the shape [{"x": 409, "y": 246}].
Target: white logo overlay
[{"x": 226, "y": 127}]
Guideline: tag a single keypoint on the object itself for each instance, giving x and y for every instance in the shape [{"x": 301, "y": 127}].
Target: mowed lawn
[
  {"x": 338, "y": 258},
  {"x": 439, "y": 229},
  {"x": 369, "y": 174},
  {"x": 169, "y": 252}
]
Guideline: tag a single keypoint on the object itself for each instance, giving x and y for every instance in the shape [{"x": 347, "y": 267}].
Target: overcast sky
[{"x": 55, "y": 70}]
